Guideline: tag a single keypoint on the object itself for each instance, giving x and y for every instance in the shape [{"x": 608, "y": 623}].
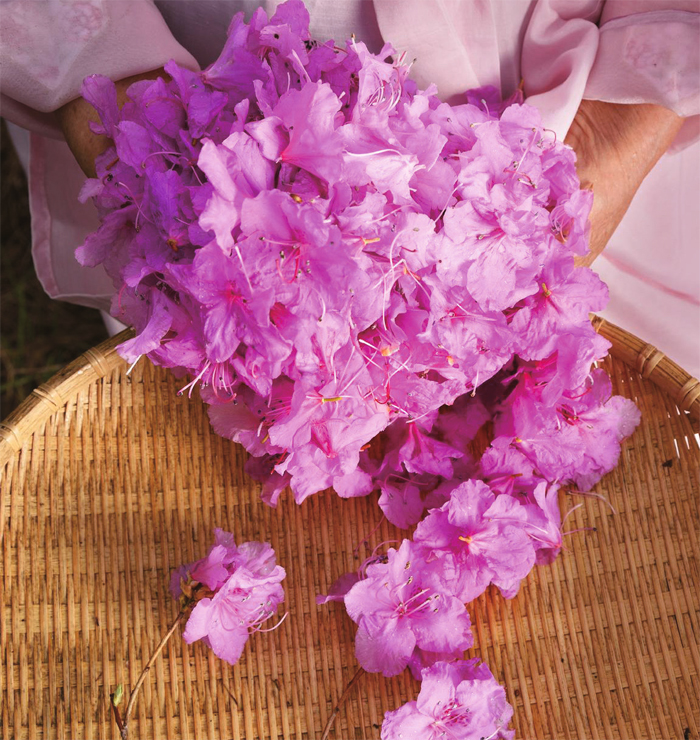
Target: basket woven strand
[{"x": 110, "y": 481}]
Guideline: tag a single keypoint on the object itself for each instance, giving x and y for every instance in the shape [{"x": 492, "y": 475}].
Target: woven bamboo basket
[{"x": 110, "y": 481}]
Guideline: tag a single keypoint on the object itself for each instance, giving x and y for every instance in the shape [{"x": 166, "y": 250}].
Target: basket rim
[
  {"x": 99, "y": 361},
  {"x": 93, "y": 364}
]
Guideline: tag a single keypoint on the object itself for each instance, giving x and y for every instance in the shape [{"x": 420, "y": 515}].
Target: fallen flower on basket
[
  {"x": 402, "y": 607},
  {"x": 241, "y": 591},
  {"x": 460, "y": 701},
  {"x": 228, "y": 595}
]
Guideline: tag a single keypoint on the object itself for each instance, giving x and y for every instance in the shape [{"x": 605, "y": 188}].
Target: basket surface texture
[{"x": 110, "y": 481}]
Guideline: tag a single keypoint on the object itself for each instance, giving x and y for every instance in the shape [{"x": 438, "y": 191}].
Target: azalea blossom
[
  {"x": 479, "y": 538},
  {"x": 243, "y": 591},
  {"x": 401, "y": 605},
  {"x": 459, "y": 700}
]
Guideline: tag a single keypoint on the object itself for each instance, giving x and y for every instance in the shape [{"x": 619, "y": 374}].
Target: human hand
[
  {"x": 75, "y": 116},
  {"x": 616, "y": 147}
]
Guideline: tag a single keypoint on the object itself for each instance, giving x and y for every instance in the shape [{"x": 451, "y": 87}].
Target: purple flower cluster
[
  {"x": 328, "y": 250},
  {"x": 241, "y": 591},
  {"x": 334, "y": 256}
]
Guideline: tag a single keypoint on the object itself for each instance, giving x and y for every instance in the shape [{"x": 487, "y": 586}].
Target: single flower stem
[
  {"x": 132, "y": 699},
  {"x": 343, "y": 699},
  {"x": 117, "y": 716}
]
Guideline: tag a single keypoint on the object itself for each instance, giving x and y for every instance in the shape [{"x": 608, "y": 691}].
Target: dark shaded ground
[{"x": 38, "y": 336}]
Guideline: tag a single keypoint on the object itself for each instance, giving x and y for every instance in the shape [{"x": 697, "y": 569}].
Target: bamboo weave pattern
[{"x": 113, "y": 481}]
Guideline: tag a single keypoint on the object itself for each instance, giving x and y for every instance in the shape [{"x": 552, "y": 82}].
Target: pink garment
[{"x": 628, "y": 51}]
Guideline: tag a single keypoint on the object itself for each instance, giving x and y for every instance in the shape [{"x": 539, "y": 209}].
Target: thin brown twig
[
  {"x": 132, "y": 699},
  {"x": 342, "y": 700},
  {"x": 230, "y": 693},
  {"x": 117, "y": 715}
]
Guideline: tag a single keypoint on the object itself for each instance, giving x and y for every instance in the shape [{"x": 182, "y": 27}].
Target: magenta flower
[
  {"x": 544, "y": 522},
  {"x": 402, "y": 605},
  {"x": 566, "y": 294},
  {"x": 460, "y": 701},
  {"x": 479, "y": 538},
  {"x": 243, "y": 591}
]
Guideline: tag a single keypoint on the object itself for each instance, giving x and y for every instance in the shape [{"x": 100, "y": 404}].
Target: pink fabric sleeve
[
  {"x": 48, "y": 47},
  {"x": 559, "y": 49},
  {"x": 619, "y": 51},
  {"x": 60, "y": 223},
  {"x": 650, "y": 57}
]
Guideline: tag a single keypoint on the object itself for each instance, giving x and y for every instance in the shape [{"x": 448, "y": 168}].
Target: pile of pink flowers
[{"x": 332, "y": 254}]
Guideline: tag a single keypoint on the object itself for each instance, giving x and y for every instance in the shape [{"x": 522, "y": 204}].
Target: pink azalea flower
[
  {"x": 402, "y": 605},
  {"x": 309, "y": 115},
  {"x": 544, "y": 522},
  {"x": 459, "y": 700},
  {"x": 403, "y": 497},
  {"x": 566, "y": 296},
  {"x": 243, "y": 592},
  {"x": 479, "y": 538}
]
